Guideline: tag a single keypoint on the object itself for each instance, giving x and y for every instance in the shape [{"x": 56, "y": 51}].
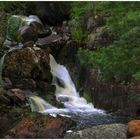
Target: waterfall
[
  {"x": 65, "y": 88},
  {"x": 66, "y": 93}
]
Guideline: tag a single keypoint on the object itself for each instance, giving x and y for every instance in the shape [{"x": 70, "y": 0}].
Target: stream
[{"x": 76, "y": 107}]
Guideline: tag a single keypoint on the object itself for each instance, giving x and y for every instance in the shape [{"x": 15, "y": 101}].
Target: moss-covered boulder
[
  {"x": 112, "y": 131},
  {"x": 20, "y": 28},
  {"x": 27, "y": 63}
]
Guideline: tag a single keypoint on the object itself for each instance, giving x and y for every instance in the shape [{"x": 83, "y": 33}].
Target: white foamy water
[
  {"x": 65, "y": 88},
  {"x": 66, "y": 93}
]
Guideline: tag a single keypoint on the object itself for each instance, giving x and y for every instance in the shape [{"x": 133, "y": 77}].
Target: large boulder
[
  {"x": 27, "y": 63},
  {"x": 111, "y": 131},
  {"x": 40, "y": 126},
  {"x": 134, "y": 128}
]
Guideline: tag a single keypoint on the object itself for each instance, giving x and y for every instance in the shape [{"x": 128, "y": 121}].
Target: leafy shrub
[
  {"x": 118, "y": 60},
  {"x": 16, "y": 7},
  {"x": 79, "y": 19}
]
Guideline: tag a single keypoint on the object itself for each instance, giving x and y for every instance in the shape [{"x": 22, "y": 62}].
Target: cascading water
[
  {"x": 75, "y": 106},
  {"x": 65, "y": 88},
  {"x": 65, "y": 93}
]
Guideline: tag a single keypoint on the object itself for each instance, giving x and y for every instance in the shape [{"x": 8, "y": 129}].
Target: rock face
[
  {"x": 53, "y": 13},
  {"x": 112, "y": 131},
  {"x": 115, "y": 97},
  {"x": 41, "y": 127},
  {"x": 101, "y": 38}
]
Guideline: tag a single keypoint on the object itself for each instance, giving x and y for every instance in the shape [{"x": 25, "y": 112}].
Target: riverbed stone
[
  {"x": 134, "y": 127},
  {"x": 111, "y": 131},
  {"x": 40, "y": 126}
]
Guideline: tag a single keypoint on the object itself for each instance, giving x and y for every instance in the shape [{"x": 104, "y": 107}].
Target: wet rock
[
  {"x": 28, "y": 44},
  {"x": 68, "y": 52},
  {"x": 112, "y": 131},
  {"x": 57, "y": 126},
  {"x": 16, "y": 96},
  {"x": 50, "y": 41},
  {"x": 27, "y": 33},
  {"x": 41, "y": 127},
  {"x": 45, "y": 32},
  {"x": 134, "y": 128}
]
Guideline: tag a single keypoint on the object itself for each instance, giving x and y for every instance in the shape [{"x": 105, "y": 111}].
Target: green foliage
[
  {"x": 79, "y": 19},
  {"x": 14, "y": 23},
  {"x": 120, "y": 59},
  {"x": 136, "y": 76},
  {"x": 125, "y": 16},
  {"x": 16, "y": 7}
]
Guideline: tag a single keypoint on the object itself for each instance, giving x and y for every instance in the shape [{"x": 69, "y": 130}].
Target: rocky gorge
[{"x": 26, "y": 71}]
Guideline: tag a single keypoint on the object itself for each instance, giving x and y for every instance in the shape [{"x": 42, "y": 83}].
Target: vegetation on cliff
[{"x": 119, "y": 60}]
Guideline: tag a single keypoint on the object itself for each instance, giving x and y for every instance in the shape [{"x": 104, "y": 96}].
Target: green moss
[
  {"x": 17, "y": 7},
  {"x": 14, "y": 23}
]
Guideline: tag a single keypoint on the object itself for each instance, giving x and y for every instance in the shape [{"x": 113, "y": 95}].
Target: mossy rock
[
  {"x": 27, "y": 63},
  {"x": 22, "y": 28},
  {"x": 14, "y": 23}
]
